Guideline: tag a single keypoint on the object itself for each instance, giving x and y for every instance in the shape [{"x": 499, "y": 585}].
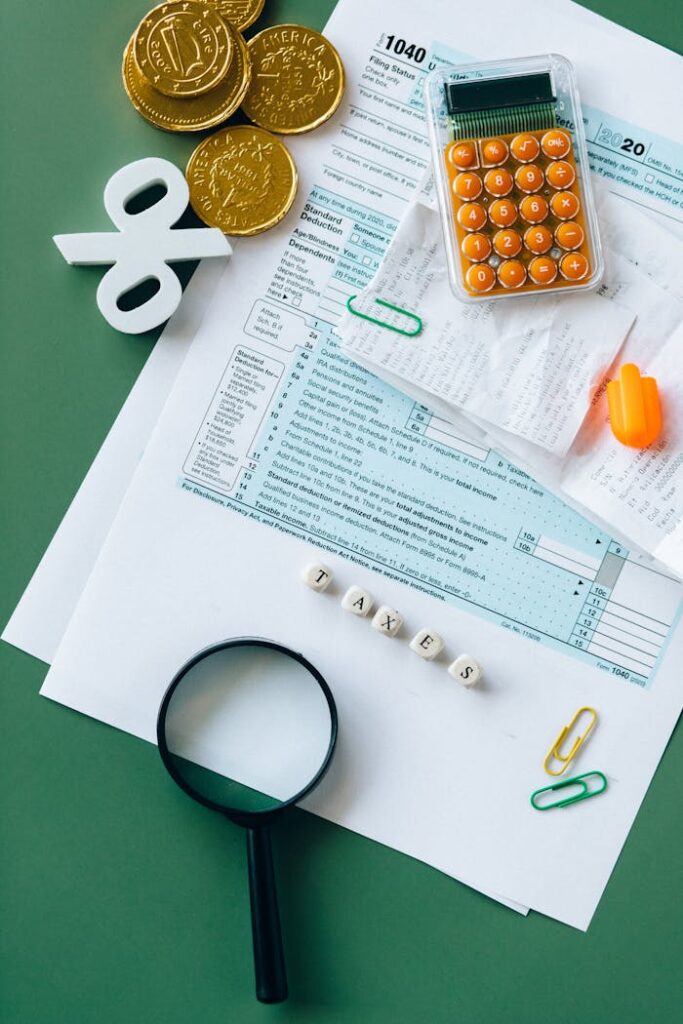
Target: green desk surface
[{"x": 122, "y": 902}]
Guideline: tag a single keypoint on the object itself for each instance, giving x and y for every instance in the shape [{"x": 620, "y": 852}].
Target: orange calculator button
[
  {"x": 498, "y": 182},
  {"x": 569, "y": 235},
  {"x": 556, "y": 144},
  {"x": 494, "y": 152},
  {"x": 511, "y": 274},
  {"x": 476, "y": 247},
  {"x": 507, "y": 242},
  {"x": 574, "y": 266},
  {"x": 560, "y": 174},
  {"x": 542, "y": 270},
  {"x": 467, "y": 185},
  {"x": 538, "y": 239},
  {"x": 533, "y": 209},
  {"x": 525, "y": 148},
  {"x": 462, "y": 155},
  {"x": 565, "y": 205},
  {"x": 480, "y": 278},
  {"x": 471, "y": 216},
  {"x": 529, "y": 178},
  {"x": 503, "y": 213}
]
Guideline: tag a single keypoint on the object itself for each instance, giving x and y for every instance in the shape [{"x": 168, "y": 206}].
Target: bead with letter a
[{"x": 357, "y": 601}]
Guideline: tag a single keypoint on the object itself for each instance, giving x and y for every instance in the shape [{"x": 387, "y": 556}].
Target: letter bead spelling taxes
[
  {"x": 465, "y": 670},
  {"x": 427, "y": 644},
  {"x": 317, "y": 576},
  {"x": 387, "y": 621},
  {"x": 357, "y": 601}
]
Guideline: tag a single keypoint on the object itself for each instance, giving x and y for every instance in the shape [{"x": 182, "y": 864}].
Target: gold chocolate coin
[
  {"x": 242, "y": 180},
  {"x": 297, "y": 80},
  {"x": 240, "y": 13},
  {"x": 194, "y": 113},
  {"x": 182, "y": 48}
]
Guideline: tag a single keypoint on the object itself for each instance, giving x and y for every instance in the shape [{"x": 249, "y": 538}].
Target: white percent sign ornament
[{"x": 143, "y": 245}]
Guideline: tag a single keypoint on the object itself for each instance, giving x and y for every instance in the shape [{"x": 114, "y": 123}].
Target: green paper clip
[
  {"x": 584, "y": 793},
  {"x": 382, "y": 323}
]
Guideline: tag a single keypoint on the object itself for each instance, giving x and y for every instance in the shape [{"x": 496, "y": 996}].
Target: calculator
[{"x": 513, "y": 181}]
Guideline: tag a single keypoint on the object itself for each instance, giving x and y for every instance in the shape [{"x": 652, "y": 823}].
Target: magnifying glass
[{"x": 248, "y": 727}]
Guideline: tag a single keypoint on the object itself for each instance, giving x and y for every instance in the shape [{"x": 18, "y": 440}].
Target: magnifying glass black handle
[{"x": 269, "y": 960}]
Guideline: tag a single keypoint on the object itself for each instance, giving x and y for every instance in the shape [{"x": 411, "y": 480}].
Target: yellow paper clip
[
  {"x": 635, "y": 413},
  {"x": 565, "y": 759}
]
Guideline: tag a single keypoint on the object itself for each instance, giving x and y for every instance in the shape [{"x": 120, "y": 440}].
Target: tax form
[
  {"x": 272, "y": 441},
  {"x": 496, "y": 377},
  {"x": 636, "y": 158}
]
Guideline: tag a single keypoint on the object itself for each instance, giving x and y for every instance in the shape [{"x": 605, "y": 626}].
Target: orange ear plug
[{"x": 634, "y": 410}]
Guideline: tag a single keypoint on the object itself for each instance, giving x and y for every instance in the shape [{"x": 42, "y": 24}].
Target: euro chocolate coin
[
  {"x": 240, "y": 13},
  {"x": 183, "y": 48},
  {"x": 297, "y": 80},
  {"x": 193, "y": 113},
  {"x": 242, "y": 180}
]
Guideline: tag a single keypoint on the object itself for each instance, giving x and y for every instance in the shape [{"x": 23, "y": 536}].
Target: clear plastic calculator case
[{"x": 512, "y": 177}]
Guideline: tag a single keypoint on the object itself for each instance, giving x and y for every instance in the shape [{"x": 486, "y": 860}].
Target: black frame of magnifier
[{"x": 269, "y": 963}]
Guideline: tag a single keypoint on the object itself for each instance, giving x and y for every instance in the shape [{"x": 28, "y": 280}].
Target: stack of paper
[
  {"x": 208, "y": 543},
  {"x": 526, "y": 378}
]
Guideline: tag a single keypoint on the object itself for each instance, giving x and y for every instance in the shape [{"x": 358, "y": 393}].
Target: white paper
[
  {"x": 642, "y": 490},
  {"x": 441, "y": 773},
  {"x": 41, "y": 617}
]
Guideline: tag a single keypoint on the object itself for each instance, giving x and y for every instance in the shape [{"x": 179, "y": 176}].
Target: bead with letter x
[{"x": 387, "y": 620}]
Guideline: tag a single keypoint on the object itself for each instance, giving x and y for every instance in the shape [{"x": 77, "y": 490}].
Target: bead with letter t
[{"x": 317, "y": 576}]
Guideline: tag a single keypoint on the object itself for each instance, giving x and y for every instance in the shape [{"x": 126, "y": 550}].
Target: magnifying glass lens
[{"x": 247, "y": 728}]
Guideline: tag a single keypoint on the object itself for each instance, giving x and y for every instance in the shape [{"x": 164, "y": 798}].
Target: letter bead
[
  {"x": 427, "y": 644},
  {"x": 387, "y": 620},
  {"x": 466, "y": 670},
  {"x": 317, "y": 576},
  {"x": 357, "y": 601}
]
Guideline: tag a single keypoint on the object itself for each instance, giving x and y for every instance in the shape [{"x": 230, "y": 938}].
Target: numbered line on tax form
[{"x": 627, "y": 609}]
